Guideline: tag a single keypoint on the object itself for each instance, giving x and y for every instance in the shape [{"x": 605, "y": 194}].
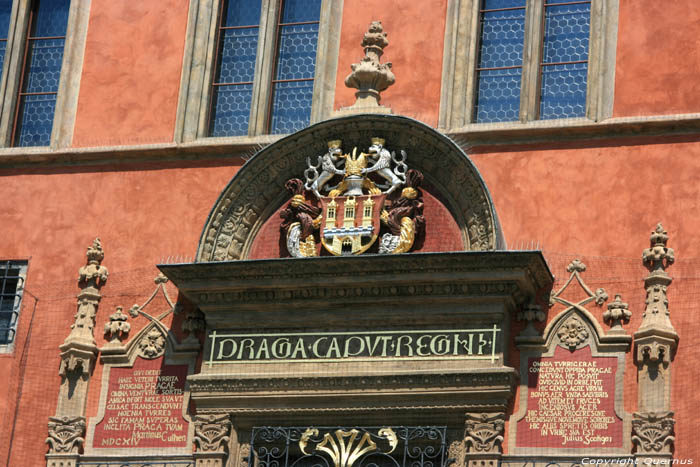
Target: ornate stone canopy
[{"x": 257, "y": 190}]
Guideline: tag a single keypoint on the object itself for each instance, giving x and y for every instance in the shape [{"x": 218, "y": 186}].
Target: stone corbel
[
  {"x": 211, "y": 437},
  {"x": 65, "y": 440},
  {"x": 652, "y": 434},
  {"x": 483, "y": 435}
]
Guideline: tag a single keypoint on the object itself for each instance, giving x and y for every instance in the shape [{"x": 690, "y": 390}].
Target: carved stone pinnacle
[
  {"x": 369, "y": 76},
  {"x": 658, "y": 256}
]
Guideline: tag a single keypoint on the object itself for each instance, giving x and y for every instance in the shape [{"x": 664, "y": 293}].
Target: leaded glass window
[
  {"x": 559, "y": 62},
  {"x": 565, "y": 58},
  {"x": 12, "y": 275},
  {"x": 295, "y": 65},
  {"x": 43, "y": 57},
  {"x": 5, "y": 11},
  {"x": 499, "y": 68},
  {"x": 232, "y": 91}
]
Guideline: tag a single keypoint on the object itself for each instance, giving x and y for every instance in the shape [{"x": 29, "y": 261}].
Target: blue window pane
[
  {"x": 237, "y": 55},
  {"x": 5, "y": 11},
  {"x": 502, "y": 38},
  {"x": 498, "y": 97},
  {"x": 231, "y": 110},
  {"x": 36, "y": 120},
  {"x": 297, "y": 52},
  {"x": 566, "y": 39},
  {"x": 563, "y": 93},
  {"x": 241, "y": 13},
  {"x": 51, "y": 18},
  {"x": 291, "y": 106},
  {"x": 44, "y": 58},
  {"x": 566, "y": 33},
  {"x": 297, "y": 11},
  {"x": 499, "y": 68}
]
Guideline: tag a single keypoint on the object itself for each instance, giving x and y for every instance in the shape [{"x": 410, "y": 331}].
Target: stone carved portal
[{"x": 258, "y": 189}]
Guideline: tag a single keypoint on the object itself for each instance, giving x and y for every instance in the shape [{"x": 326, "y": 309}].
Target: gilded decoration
[
  {"x": 258, "y": 190},
  {"x": 350, "y": 199},
  {"x": 346, "y": 447}
]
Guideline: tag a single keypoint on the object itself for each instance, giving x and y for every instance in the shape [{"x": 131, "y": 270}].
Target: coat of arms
[{"x": 351, "y": 199}]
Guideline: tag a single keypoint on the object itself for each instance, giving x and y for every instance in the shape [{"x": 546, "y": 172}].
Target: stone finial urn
[{"x": 369, "y": 76}]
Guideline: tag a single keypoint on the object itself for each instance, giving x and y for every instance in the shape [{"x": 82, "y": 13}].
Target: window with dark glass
[
  {"x": 41, "y": 72},
  {"x": 232, "y": 91},
  {"x": 12, "y": 275},
  {"x": 564, "y": 67},
  {"x": 295, "y": 65},
  {"x": 562, "y": 59},
  {"x": 5, "y": 11}
]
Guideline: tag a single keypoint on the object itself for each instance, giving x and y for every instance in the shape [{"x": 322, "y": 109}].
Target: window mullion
[
  {"x": 12, "y": 70},
  {"x": 532, "y": 56},
  {"x": 264, "y": 67}
]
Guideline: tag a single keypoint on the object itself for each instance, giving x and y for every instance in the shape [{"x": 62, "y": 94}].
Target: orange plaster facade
[
  {"x": 658, "y": 58},
  {"x": 414, "y": 52},
  {"x": 131, "y": 72}
]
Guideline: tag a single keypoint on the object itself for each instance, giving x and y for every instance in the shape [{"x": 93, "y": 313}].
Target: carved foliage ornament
[
  {"x": 483, "y": 432},
  {"x": 211, "y": 432},
  {"x": 369, "y": 76},
  {"x": 652, "y": 432},
  {"x": 349, "y": 199},
  {"x": 152, "y": 344},
  {"x": 66, "y": 434},
  {"x": 117, "y": 327},
  {"x": 345, "y": 449},
  {"x": 572, "y": 333}
]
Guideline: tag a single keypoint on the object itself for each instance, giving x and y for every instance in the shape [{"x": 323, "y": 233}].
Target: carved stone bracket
[
  {"x": 531, "y": 313},
  {"x": 652, "y": 432},
  {"x": 483, "y": 432},
  {"x": 66, "y": 434},
  {"x": 212, "y": 433}
]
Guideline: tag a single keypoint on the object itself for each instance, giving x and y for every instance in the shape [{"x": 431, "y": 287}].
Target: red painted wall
[
  {"x": 131, "y": 72},
  {"x": 658, "y": 58},
  {"x": 142, "y": 214},
  {"x": 414, "y": 51}
]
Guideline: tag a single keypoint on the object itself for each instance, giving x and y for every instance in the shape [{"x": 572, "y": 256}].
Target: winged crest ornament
[{"x": 349, "y": 200}]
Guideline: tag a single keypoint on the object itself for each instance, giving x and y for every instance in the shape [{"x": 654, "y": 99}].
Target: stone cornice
[
  {"x": 502, "y": 134},
  {"x": 476, "y": 380},
  {"x": 293, "y": 282}
]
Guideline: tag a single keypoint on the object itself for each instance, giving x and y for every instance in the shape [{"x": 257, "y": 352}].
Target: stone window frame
[
  {"x": 198, "y": 69},
  {"x": 22, "y": 265},
  {"x": 69, "y": 83},
  {"x": 458, "y": 90}
]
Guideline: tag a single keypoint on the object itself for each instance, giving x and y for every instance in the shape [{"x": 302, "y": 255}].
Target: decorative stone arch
[{"x": 257, "y": 190}]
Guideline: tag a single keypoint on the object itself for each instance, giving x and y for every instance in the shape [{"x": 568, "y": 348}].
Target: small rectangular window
[
  {"x": 41, "y": 72},
  {"x": 12, "y": 276}
]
